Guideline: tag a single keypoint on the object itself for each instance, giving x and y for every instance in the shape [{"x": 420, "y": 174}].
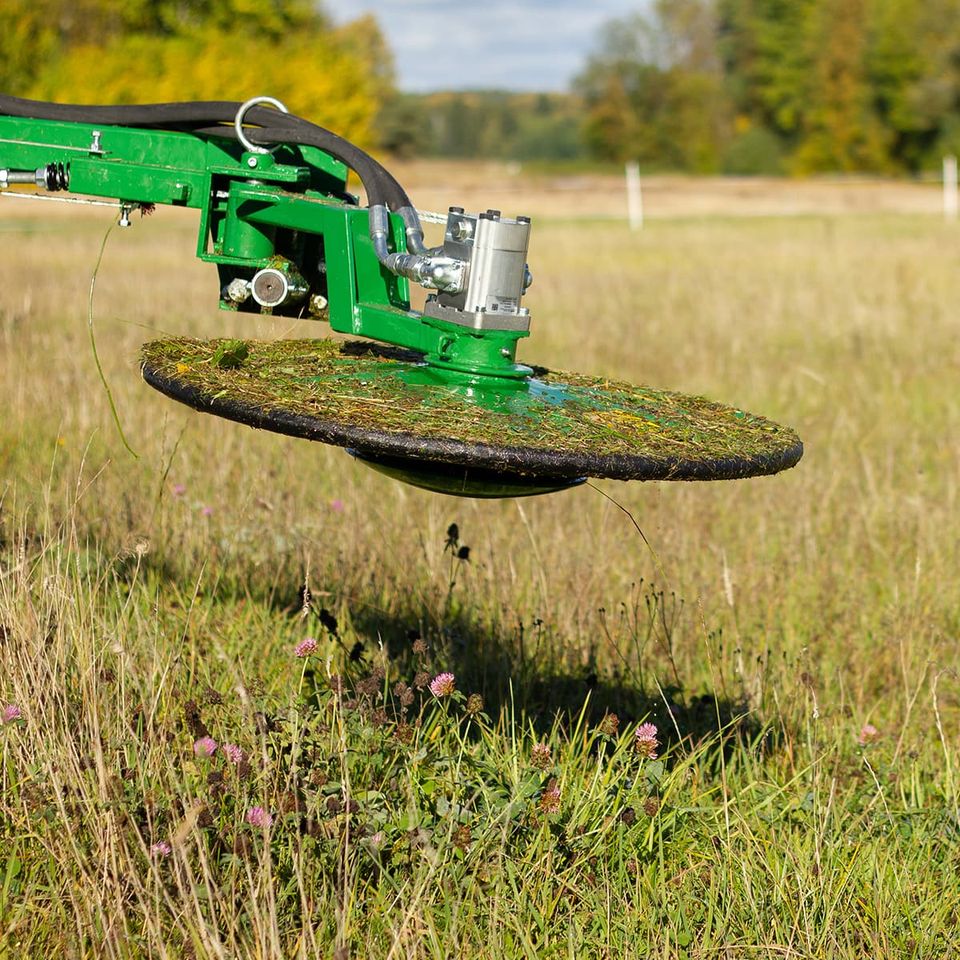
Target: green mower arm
[{"x": 286, "y": 237}]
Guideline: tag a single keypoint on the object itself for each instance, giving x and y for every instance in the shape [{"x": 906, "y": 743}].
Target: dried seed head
[
  {"x": 193, "y": 721},
  {"x": 474, "y": 704},
  {"x": 550, "y": 798},
  {"x": 540, "y": 756},
  {"x": 609, "y": 725}
]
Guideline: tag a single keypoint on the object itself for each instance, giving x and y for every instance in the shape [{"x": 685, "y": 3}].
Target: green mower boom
[{"x": 439, "y": 398}]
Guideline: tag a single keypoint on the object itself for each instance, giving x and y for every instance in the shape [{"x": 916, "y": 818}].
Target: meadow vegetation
[{"x": 259, "y": 701}]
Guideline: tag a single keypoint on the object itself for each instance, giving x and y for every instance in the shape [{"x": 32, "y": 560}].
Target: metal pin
[{"x": 124, "y": 220}]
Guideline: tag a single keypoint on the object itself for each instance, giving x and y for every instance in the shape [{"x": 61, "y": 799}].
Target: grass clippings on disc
[{"x": 369, "y": 398}]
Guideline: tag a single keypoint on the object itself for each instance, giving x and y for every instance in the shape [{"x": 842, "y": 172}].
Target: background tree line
[
  {"x": 764, "y": 86},
  {"x": 734, "y": 86},
  {"x": 707, "y": 86}
]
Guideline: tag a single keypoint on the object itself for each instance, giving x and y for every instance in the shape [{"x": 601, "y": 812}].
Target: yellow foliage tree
[
  {"x": 311, "y": 75},
  {"x": 137, "y": 51},
  {"x": 839, "y": 126}
]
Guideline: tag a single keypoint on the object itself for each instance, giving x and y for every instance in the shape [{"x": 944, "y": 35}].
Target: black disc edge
[{"x": 525, "y": 460}]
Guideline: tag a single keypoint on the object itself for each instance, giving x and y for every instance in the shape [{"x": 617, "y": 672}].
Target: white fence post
[
  {"x": 950, "y": 187},
  {"x": 634, "y": 196}
]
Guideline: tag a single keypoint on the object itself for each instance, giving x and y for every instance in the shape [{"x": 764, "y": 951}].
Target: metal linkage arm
[{"x": 287, "y": 239}]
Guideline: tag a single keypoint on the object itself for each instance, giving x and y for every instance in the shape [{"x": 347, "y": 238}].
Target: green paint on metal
[{"x": 254, "y": 208}]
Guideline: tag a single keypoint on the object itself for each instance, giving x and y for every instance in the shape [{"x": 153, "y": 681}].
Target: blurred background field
[{"x": 800, "y": 608}]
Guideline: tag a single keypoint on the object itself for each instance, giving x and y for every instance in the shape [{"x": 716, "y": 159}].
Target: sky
[{"x": 492, "y": 44}]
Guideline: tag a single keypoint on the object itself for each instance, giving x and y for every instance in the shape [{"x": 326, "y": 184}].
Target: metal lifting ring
[{"x": 242, "y": 112}]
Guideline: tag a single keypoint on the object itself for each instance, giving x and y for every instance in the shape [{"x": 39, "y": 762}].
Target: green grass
[{"x": 146, "y": 602}]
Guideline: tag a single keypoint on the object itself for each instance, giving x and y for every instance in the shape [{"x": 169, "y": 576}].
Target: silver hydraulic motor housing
[{"x": 494, "y": 251}]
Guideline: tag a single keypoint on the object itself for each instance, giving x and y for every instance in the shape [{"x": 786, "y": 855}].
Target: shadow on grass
[
  {"x": 524, "y": 665},
  {"x": 520, "y": 669}
]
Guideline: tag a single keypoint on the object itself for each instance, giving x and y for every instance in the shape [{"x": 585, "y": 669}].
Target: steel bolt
[
  {"x": 251, "y": 161},
  {"x": 462, "y": 229}
]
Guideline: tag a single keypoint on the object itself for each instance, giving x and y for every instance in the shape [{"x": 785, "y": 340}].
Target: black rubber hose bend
[{"x": 205, "y": 117}]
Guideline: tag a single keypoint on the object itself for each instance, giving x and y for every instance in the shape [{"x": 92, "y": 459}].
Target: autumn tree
[
  {"x": 845, "y": 84},
  {"x": 654, "y": 88},
  {"x": 913, "y": 64},
  {"x": 838, "y": 125},
  {"x": 124, "y": 51},
  {"x": 767, "y": 85}
]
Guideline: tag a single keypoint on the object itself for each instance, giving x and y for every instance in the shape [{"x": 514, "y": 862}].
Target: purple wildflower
[
  {"x": 443, "y": 684},
  {"x": 206, "y": 512},
  {"x": 205, "y": 747},
  {"x": 868, "y": 734},
  {"x": 10, "y": 713},
  {"x": 646, "y": 741},
  {"x": 161, "y": 849},
  {"x": 258, "y": 817},
  {"x": 305, "y": 647},
  {"x": 233, "y": 753},
  {"x": 336, "y": 506},
  {"x": 179, "y": 489}
]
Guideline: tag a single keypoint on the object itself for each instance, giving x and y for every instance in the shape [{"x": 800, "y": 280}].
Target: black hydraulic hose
[
  {"x": 204, "y": 118},
  {"x": 379, "y": 183}
]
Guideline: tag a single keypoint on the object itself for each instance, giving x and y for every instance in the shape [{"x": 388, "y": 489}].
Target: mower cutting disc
[{"x": 462, "y": 435}]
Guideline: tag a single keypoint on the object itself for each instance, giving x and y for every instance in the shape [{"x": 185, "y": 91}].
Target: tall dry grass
[{"x": 806, "y": 605}]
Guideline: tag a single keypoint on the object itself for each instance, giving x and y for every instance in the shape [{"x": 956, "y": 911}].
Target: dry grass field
[
  {"x": 596, "y": 196},
  {"x": 793, "y": 638}
]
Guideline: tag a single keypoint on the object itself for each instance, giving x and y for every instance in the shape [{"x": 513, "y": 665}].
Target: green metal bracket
[{"x": 284, "y": 211}]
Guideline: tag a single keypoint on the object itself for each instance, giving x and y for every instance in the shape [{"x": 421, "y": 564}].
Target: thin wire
[
  {"x": 621, "y": 507},
  {"x": 428, "y": 216},
  {"x": 93, "y": 345}
]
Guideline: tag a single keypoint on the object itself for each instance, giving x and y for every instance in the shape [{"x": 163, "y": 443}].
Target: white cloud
[{"x": 519, "y": 45}]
